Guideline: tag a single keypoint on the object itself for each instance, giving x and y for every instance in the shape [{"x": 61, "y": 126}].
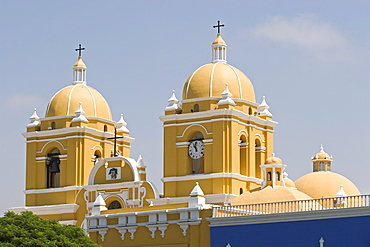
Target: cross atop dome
[
  {"x": 79, "y": 68},
  {"x": 80, "y": 49},
  {"x": 219, "y": 26}
]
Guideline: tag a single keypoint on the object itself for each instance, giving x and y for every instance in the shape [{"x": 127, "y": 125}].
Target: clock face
[{"x": 196, "y": 149}]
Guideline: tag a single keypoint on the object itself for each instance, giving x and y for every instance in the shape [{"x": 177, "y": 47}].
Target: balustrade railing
[{"x": 293, "y": 206}]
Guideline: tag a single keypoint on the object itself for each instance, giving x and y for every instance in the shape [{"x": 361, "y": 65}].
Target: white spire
[
  {"x": 140, "y": 161},
  {"x": 321, "y": 149},
  {"x": 226, "y": 97},
  {"x": 263, "y": 108},
  {"x": 35, "y": 120},
  {"x": 197, "y": 198},
  {"x": 173, "y": 103},
  {"x": 80, "y": 115},
  {"x": 99, "y": 205},
  {"x": 121, "y": 125},
  {"x": 341, "y": 192}
]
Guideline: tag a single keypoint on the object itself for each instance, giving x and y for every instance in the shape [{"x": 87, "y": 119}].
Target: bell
[{"x": 54, "y": 165}]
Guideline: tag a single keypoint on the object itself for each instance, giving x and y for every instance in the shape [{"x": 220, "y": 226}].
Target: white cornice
[
  {"x": 48, "y": 209},
  {"x": 212, "y": 176},
  {"x": 223, "y": 113},
  {"x": 108, "y": 121},
  {"x": 71, "y": 130},
  {"x": 217, "y": 99},
  {"x": 52, "y": 190},
  {"x": 286, "y": 217}
]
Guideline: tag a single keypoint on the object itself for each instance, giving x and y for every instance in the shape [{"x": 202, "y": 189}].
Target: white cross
[{"x": 321, "y": 241}]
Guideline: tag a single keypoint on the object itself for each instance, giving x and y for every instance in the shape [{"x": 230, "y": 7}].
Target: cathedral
[{"x": 223, "y": 184}]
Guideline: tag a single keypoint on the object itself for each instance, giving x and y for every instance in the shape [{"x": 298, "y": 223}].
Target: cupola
[{"x": 322, "y": 161}]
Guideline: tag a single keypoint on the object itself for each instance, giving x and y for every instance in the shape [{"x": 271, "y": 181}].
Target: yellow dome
[
  {"x": 209, "y": 81},
  {"x": 270, "y": 194},
  {"x": 274, "y": 160},
  {"x": 66, "y": 102},
  {"x": 325, "y": 184},
  {"x": 289, "y": 182}
]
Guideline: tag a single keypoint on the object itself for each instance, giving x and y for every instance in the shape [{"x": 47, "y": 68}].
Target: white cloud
[{"x": 305, "y": 31}]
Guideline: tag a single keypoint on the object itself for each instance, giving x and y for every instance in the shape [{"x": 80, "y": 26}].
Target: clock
[{"x": 196, "y": 149}]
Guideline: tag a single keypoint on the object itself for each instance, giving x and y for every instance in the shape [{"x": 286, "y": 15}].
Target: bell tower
[
  {"x": 217, "y": 135},
  {"x": 63, "y": 147}
]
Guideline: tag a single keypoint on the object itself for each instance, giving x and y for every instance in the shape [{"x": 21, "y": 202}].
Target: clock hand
[{"x": 195, "y": 146}]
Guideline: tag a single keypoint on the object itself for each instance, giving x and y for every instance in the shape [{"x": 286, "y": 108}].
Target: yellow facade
[{"x": 218, "y": 144}]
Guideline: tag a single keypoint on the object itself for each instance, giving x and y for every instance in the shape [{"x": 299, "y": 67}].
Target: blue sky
[{"x": 309, "y": 58}]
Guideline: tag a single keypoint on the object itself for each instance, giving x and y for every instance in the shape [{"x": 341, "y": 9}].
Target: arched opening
[
  {"x": 53, "y": 169},
  {"x": 105, "y": 128},
  {"x": 196, "y": 153},
  {"x": 314, "y": 166},
  {"x": 53, "y": 125},
  {"x": 277, "y": 176},
  {"x": 250, "y": 111},
  {"x": 196, "y": 108},
  {"x": 115, "y": 205},
  {"x": 269, "y": 176},
  {"x": 321, "y": 166},
  {"x": 97, "y": 156},
  {"x": 240, "y": 191},
  {"x": 243, "y": 153},
  {"x": 258, "y": 158},
  {"x": 329, "y": 167}
]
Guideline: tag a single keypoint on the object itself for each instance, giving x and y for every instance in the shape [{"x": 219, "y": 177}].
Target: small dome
[
  {"x": 219, "y": 40},
  {"x": 67, "y": 101},
  {"x": 270, "y": 194},
  {"x": 321, "y": 155},
  {"x": 325, "y": 184},
  {"x": 209, "y": 81},
  {"x": 274, "y": 160},
  {"x": 79, "y": 63},
  {"x": 288, "y": 182}
]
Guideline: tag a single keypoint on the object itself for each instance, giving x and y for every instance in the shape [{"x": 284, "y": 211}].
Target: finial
[
  {"x": 151, "y": 204},
  {"x": 79, "y": 49},
  {"x": 196, "y": 183},
  {"x": 35, "y": 120},
  {"x": 226, "y": 97},
  {"x": 263, "y": 108},
  {"x": 80, "y": 115},
  {"x": 173, "y": 103},
  {"x": 219, "y": 27},
  {"x": 273, "y": 154},
  {"x": 321, "y": 149},
  {"x": 121, "y": 125}
]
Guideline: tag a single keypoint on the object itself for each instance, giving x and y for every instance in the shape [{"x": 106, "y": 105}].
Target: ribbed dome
[
  {"x": 325, "y": 184},
  {"x": 66, "y": 102},
  {"x": 274, "y": 160},
  {"x": 209, "y": 81}
]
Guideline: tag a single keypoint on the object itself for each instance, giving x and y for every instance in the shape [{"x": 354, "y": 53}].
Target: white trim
[
  {"x": 52, "y": 190},
  {"x": 211, "y": 80},
  {"x": 286, "y": 217},
  {"x": 48, "y": 209},
  {"x": 68, "y": 222},
  {"x": 240, "y": 85},
  {"x": 217, "y": 99},
  {"x": 112, "y": 186},
  {"x": 191, "y": 77},
  {"x": 218, "y": 113},
  {"x": 131, "y": 162},
  {"x": 260, "y": 137},
  {"x": 196, "y": 124},
  {"x": 69, "y": 130},
  {"x": 212, "y": 176}
]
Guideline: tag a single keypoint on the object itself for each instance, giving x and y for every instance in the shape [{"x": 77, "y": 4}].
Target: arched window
[
  {"x": 240, "y": 191},
  {"x": 321, "y": 166},
  {"x": 105, "y": 128},
  {"x": 277, "y": 176},
  {"x": 97, "y": 156},
  {"x": 53, "y": 169},
  {"x": 196, "y": 108},
  {"x": 250, "y": 111},
  {"x": 114, "y": 205},
  {"x": 329, "y": 167},
  {"x": 313, "y": 166},
  {"x": 269, "y": 176},
  {"x": 258, "y": 158},
  {"x": 53, "y": 125},
  {"x": 243, "y": 154}
]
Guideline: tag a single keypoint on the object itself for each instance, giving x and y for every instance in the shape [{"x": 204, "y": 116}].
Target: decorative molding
[
  {"x": 52, "y": 190},
  {"x": 212, "y": 176},
  {"x": 192, "y": 125},
  {"x": 48, "y": 209},
  {"x": 217, "y": 99},
  {"x": 68, "y": 222},
  {"x": 221, "y": 113}
]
